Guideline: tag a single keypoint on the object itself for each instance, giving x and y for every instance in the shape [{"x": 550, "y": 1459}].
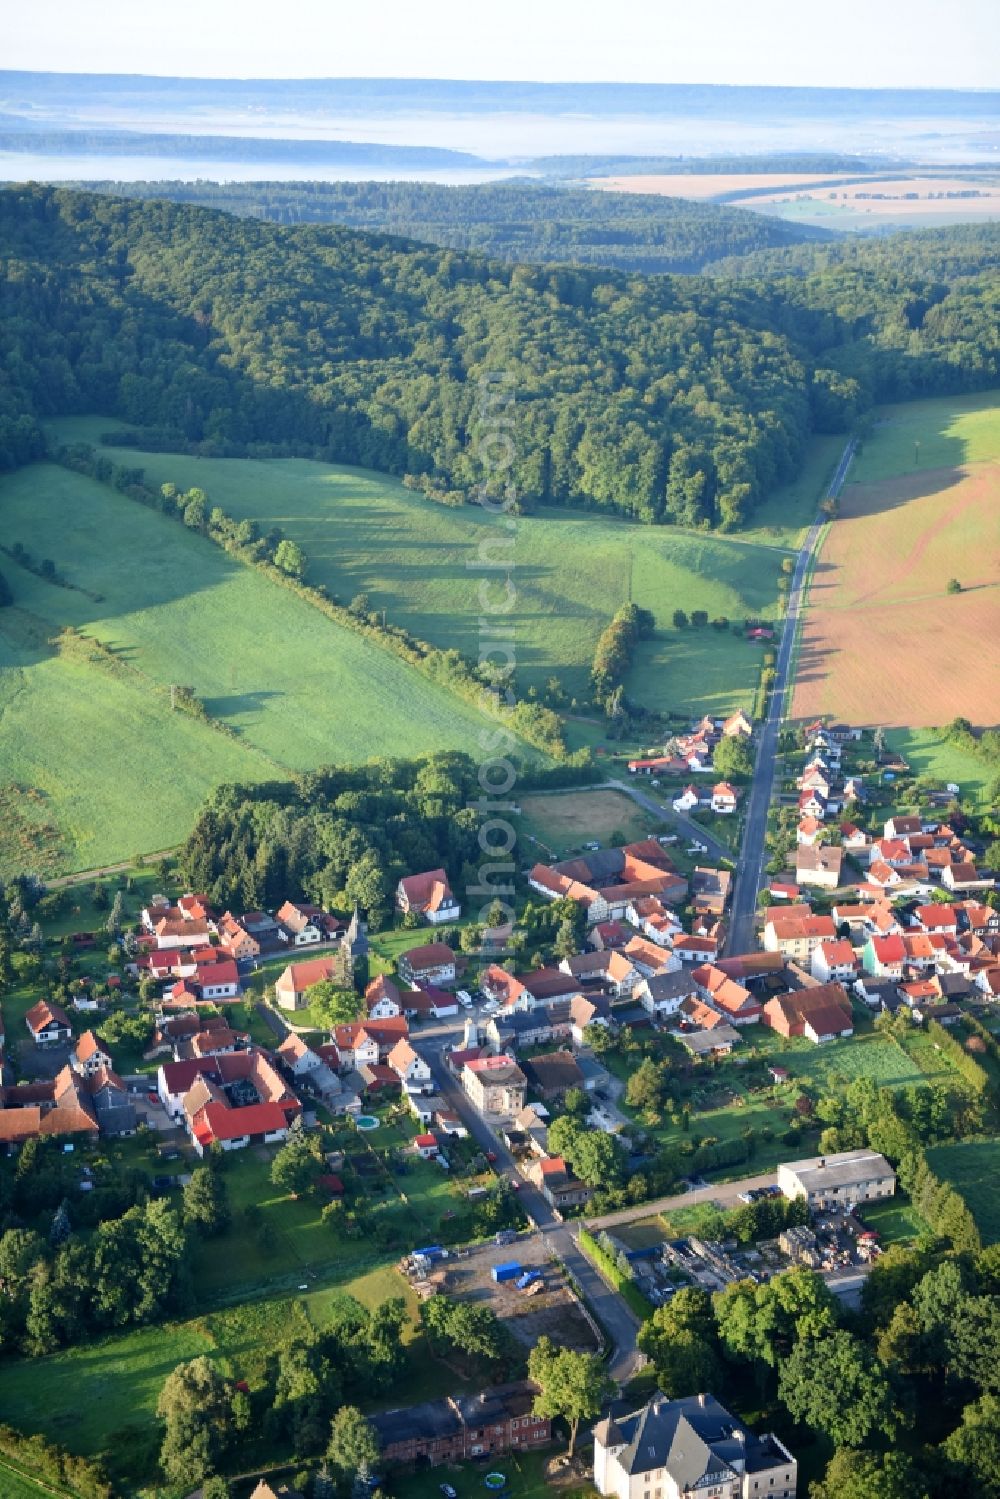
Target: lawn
[
  {"x": 365, "y": 533},
  {"x": 973, "y": 1169},
  {"x": 896, "y": 1220},
  {"x": 837, "y": 1063},
  {"x": 562, "y": 821},
  {"x": 930, "y": 754},
  {"x": 525, "y": 1476},
  {"x": 17, "y": 1486},
  {"x": 112, "y": 771},
  {"x": 919, "y": 510}
]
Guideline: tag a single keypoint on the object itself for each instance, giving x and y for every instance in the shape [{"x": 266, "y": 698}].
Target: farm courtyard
[{"x": 883, "y": 641}]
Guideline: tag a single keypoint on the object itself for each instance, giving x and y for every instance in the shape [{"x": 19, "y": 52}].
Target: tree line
[{"x": 663, "y": 398}]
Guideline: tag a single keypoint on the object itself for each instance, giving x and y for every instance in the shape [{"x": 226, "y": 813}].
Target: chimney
[
  {"x": 702, "y": 1399},
  {"x": 822, "y": 1160}
]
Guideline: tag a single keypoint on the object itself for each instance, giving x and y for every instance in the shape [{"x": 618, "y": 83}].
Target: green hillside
[
  {"x": 363, "y": 532},
  {"x": 112, "y": 770}
]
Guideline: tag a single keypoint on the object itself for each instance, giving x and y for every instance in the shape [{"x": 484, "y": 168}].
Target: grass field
[
  {"x": 111, "y": 770},
  {"x": 930, "y": 754},
  {"x": 882, "y": 640},
  {"x": 973, "y": 1169},
  {"x": 563, "y": 821},
  {"x": 364, "y": 532}
]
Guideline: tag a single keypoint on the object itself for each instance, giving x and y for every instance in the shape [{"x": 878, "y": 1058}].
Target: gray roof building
[{"x": 695, "y": 1444}]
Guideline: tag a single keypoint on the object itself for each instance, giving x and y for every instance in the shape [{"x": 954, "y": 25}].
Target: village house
[
  {"x": 614, "y": 970},
  {"x": 111, "y": 1103},
  {"x": 495, "y": 1084},
  {"x": 936, "y": 918},
  {"x": 727, "y": 995},
  {"x": 428, "y": 895},
  {"x": 648, "y": 958},
  {"x": 410, "y": 1067},
  {"x": 840, "y": 1181},
  {"x": 382, "y": 998},
  {"x": 808, "y": 830},
  {"x": 585, "y": 1010},
  {"x": 462, "y": 1427},
  {"x": 812, "y": 803},
  {"x": 89, "y": 1056},
  {"x": 232, "y": 1100},
  {"x": 302, "y": 925},
  {"x": 664, "y": 993},
  {"x": 557, "y": 1184},
  {"x": 518, "y": 1028},
  {"x": 820, "y": 1014},
  {"x": 710, "y": 890},
  {"x": 219, "y": 980},
  {"x": 292, "y": 986},
  {"x": 236, "y": 940},
  {"x": 819, "y": 864},
  {"x": 691, "y": 798},
  {"x": 835, "y": 960},
  {"x": 690, "y": 948},
  {"x": 797, "y": 935},
  {"x": 368, "y": 1040},
  {"x": 883, "y": 957},
  {"x": 433, "y": 963},
  {"x": 658, "y": 765},
  {"x": 605, "y": 882},
  {"x": 51, "y": 1107},
  {"x": 965, "y": 876},
  {"x": 724, "y": 798},
  {"x": 678, "y": 1448},
  {"x": 48, "y": 1024},
  {"x": 653, "y": 919},
  {"x": 553, "y": 1074}
]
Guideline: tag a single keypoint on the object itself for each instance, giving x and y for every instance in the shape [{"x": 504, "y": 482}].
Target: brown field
[
  {"x": 708, "y": 185},
  {"x": 882, "y": 642},
  {"x": 856, "y": 196}
]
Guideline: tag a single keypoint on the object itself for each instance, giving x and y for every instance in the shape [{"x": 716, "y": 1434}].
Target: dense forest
[
  {"x": 522, "y": 221},
  {"x": 666, "y": 398}
]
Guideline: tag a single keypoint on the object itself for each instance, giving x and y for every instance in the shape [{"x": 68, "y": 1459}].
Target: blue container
[{"x": 509, "y": 1270}]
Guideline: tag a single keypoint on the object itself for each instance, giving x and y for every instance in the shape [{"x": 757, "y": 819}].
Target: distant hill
[
  {"x": 664, "y": 398},
  {"x": 522, "y": 221}
]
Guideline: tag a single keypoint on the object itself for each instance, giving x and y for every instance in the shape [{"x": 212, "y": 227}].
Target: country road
[{"x": 750, "y": 866}]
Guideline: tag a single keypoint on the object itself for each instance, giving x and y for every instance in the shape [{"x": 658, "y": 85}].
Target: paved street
[
  {"x": 691, "y": 830},
  {"x": 750, "y": 866},
  {"x": 609, "y": 1308}
]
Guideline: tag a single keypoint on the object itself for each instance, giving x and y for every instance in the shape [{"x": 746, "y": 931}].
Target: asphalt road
[
  {"x": 608, "y": 1307},
  {"x": 691, "y": 830},
  {"x": 750, "y": 866}
]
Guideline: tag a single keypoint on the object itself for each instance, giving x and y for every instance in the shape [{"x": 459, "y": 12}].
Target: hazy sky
[{"x": 866, "y": 43}]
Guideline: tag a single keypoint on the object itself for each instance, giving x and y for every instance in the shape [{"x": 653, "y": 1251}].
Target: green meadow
[
  {"x": 96, "y": 765},
  {"x": 940, "y": 433},
  {"x": 363, "y": 532}
]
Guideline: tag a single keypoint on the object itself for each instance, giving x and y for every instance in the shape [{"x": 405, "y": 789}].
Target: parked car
[{"x": 447, "y": 1491}]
